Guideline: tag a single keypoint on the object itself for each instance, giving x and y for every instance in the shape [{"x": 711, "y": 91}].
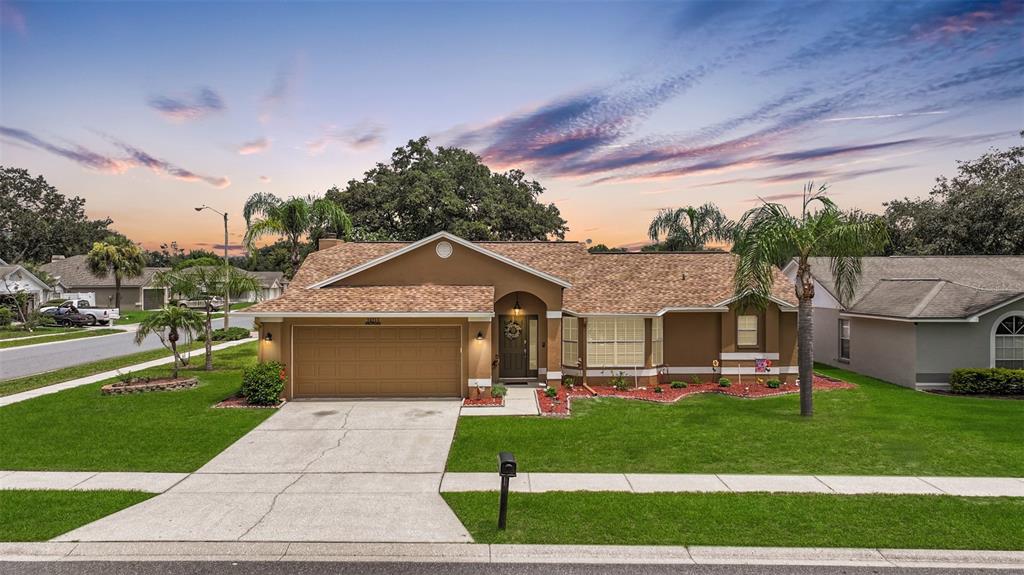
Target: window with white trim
[
  {"x": 570, "y": 341},
  {"x": 746, "y": 331},
  {"x": 658, "y": 341},
  {"x": 532, "y": 342},
  {"x": 844, "y": 339},
  {"x": 1009, "y": 343},
  {"x": 615, "y": 342}
]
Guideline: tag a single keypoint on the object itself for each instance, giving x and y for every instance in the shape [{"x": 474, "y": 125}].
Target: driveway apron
[{"x": 356, "y": 471}]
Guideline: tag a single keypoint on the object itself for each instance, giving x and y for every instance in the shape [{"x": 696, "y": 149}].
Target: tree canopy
[
  {"x": 424, "y": 190},
  {"x": 690, "y": 229},
  {"x": 37, "y": 221},
  {"x": 978, "y": 211},
  {"x": 295, "y": 219}
]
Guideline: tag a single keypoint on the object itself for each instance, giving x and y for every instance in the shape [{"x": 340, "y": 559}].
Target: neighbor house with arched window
[{"x": 914, "y": 319}]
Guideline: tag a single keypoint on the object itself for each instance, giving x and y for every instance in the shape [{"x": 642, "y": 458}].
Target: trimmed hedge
[
  {"x": 229, "y": 334},
  {"x": 263, "y": 383},
  {"x": 988, "y": 381}
]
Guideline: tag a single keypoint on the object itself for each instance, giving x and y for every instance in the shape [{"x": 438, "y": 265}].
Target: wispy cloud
[
  {"x": 257, "y": 146},
  {"x": 264, "y": 179},
  {"x": 200, "y": 103},
  {"x": 110, "y": 164},
  {"x": 282, "y": 88},
  {"x": 12, "y": 17},
  {"x": 886, "y": 116},
  {"x": 360, "y": 136}
]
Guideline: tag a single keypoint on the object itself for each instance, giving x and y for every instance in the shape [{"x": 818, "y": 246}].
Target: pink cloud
[
  {"x": 264, "y": 179},
  {"x": 12, "y": 17},
  {"x": 257, "y": 146}
]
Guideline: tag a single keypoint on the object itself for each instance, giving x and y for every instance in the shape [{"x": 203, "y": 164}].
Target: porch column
[
  {"x": 554, "y": 347},
  {"x": 479, "y": 354}
]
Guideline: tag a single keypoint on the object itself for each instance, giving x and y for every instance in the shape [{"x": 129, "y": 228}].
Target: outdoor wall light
[
  {"x": 268, "y": 337},
  {"x": 479, "y": 336},
  {"x": 516, "y": 310}
]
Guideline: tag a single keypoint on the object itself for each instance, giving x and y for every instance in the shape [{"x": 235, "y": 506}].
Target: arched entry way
[{"x": 521, "y": 333}]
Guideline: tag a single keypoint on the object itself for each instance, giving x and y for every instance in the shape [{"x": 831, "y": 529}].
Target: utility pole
[{"x": 227, "y": 265}]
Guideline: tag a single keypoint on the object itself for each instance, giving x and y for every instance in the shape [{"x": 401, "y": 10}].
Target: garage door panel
[{"x": 369, "y": 361}]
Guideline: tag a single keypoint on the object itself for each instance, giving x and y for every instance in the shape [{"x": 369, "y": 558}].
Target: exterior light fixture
[
  {"x": 268, "y": 337},
  {"x": 479, "y": 336},
  {"x": 516, "y": 309}
]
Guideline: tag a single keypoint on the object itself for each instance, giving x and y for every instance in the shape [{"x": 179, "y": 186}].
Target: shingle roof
[
  {"x": 74, "y": 273},
  {"x": 383, "y": 299},
  {"x": 639, "y": 283},
  {"x": 937, "y": 287}
]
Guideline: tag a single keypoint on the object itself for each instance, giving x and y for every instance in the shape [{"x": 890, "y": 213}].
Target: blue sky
[{"x": 147, "y": 109}]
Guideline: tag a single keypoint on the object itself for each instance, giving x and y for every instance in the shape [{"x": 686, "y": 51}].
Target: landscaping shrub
[
  {"x": 774, "y": 383},
  {"x": 987, "y": 381},
  {"x": 657, "y": 389},
  {"x": 262, "y": 383},
  {"x": 229, "y": 334},
  {"x": 498, "y": 390},
  {"x": 6, "y": 317},
  {"x": 551, "y": 392},
  {"x": 695, "y": 380},
  {"x": 568, "y": 381},
  {"x": 678, "y": 385},
  {"x": 724, "y": 382},
  {"x": 620, "y": 382}
]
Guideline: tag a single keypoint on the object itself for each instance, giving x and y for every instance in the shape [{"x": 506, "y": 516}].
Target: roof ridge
[{"x": 927, "y": 299}]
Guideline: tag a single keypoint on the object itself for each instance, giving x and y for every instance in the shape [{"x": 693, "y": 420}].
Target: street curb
[{"x": 507, "y": 554}]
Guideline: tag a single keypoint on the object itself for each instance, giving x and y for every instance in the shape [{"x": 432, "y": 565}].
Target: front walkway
[
  {"x": 518, "y": 401},
  {"x": 356, "y": 471}
]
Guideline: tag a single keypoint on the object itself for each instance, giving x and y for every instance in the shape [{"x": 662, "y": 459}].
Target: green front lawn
[
  {"x": 12, "y": 333},
  {"x": 136, "y": 316},
  {"x": 42, "y": 515},
  {"x": 81, "y": 430},
  {"x": 79, "y": 334},
  {"x": 748, "y": 519},
  {"x": 9, "y": 386},
  {"x": 876, "y": 429}
]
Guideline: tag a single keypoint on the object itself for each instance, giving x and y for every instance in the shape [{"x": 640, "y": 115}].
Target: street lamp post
[{"x": 227, "y": 264}]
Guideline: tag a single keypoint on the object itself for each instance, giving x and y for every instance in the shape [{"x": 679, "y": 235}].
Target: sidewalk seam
[{"x": 941, "y": 490}]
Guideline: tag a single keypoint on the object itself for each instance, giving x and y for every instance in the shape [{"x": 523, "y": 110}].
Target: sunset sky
[{"x": 148, "y": 109}]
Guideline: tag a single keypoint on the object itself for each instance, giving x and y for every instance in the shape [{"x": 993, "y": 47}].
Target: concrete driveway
[{"x": 358, "y": 471}]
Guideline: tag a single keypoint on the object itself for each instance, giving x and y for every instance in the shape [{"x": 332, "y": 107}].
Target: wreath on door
[{"x": 512, "y": 329}]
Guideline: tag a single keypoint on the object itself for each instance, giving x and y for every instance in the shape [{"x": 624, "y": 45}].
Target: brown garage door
[{"x": 369, "y": 361}]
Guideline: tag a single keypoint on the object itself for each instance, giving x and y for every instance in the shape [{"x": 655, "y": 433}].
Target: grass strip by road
[
  {"x": 80, "y": 429},
  {"x": 28, "y": 382},
  {"x": 39, "y": 331},
  {"x": 876, "y": 429},
  {"x": 80, "y": 334},
  {"x": 39, "y": 515},
  {"x": 136, "y": 316},
  {"x": 746, "y": 519}
]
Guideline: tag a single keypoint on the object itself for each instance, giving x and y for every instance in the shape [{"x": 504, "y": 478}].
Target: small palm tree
[
  {"x": 769, "y": 234},
  {"x": 204, "y": 283},
  {"x": 293, "y": 218},
  {"x": 169, "y": 323},
  {"x": 118, "y": 256},
  {"x": 690, "y": 228}
]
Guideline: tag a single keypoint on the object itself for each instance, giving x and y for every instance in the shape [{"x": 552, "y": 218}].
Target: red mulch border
[
  {"x": 559, "y": 405},
  {"x": 238, "y": 402},
  {"x": 486, "y": 401}
]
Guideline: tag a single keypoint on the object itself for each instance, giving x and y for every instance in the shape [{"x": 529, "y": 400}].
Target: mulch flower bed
[
  {"x": 485, "y": 401},
  {"x": 147, "y": 385},
  {"x": 559, "y": 405},
  {"x": 238, "y": 402}
]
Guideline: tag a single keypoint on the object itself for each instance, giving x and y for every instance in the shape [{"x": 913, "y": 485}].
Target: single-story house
[
  {"x": 442, "y": 315},
  {"x": 136, "y": 293},
  {"x": 272, "y": 285},
  {"x": 16, "y": 279},
  {"x": 913, "y": 320}
]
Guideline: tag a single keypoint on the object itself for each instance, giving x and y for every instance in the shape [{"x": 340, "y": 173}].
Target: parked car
[
  {"x": 216, "y": 303},
  {"x": 93, "y": 315},
  {"x": 70, "y": 316}
]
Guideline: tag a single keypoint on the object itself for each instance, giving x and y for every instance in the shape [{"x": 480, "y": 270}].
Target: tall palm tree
[
  {"x": 266, "y": 214},
  {"x": 204, "y": 283},
  {"x": 168, "y": 324},
  {"x": 769, "y": 234},
  {"x": 118, "y": 256},
  {"x": 690, "y": 228}
]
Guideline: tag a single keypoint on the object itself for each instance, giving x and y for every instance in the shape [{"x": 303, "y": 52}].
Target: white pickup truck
[{"x": 95, "y": 315}]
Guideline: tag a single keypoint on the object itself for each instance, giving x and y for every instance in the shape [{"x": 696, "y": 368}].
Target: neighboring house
[
  {"x": 913, "y": 320},
  {"x": 272, "y": 285},
  {"x": 136, "y": 293},
  {"x": 441, "y": 315},
  {"x": 16, "y": 279}
]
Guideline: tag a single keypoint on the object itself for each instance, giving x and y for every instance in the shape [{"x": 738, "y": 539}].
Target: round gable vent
[{"x": 443, "y": 249}]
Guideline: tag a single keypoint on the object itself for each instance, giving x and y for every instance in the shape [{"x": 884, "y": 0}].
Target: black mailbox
[{"x": 506, "y": 464}]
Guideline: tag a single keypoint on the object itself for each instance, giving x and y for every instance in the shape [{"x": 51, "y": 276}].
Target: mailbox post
[{"x": 507, "y": 470}]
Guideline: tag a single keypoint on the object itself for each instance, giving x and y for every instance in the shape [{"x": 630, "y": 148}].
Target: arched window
[{"x": 1009, "y": 342}]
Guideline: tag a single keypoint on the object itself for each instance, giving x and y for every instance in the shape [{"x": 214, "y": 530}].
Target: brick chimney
[{"x": 328, "y": 241}]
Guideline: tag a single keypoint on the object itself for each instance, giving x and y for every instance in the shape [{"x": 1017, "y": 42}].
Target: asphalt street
[
  {"x": 365, "y": 568},
  {"x": 33, "y": 359}
]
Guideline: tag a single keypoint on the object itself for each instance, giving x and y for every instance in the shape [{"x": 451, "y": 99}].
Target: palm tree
[
  {"x": 293, "y": 218},
  {"x": 769, "y": 234},
  {"x": 690, "y": 228},
  {"x": 118, "y": 256},
  {"x": 168, "y": 324},
  {"x": 203, "y": 283}
]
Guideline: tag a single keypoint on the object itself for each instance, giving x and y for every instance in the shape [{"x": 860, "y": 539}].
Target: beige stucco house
[
  {"x": 136, "y": 293},
  {"x": 443, "y": 315}
]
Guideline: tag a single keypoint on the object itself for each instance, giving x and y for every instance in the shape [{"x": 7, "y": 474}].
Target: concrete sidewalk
[
  {"x": 518, "y": 401},
  {"x": 507, "y": 554},
  {"x": 32, "y": 393},
  {"x": 724, "y": 483}
]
